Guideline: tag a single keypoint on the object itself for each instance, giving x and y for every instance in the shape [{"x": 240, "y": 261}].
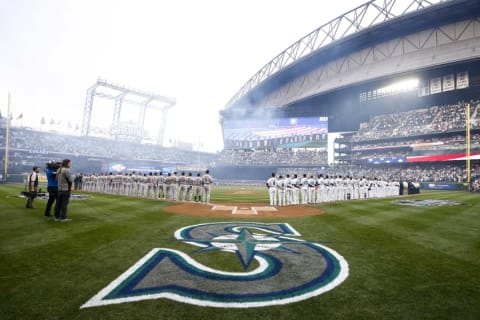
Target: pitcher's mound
[{"x": 242, "y": 210}]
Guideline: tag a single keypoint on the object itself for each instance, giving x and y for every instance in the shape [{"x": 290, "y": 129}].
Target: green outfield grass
[{"x": 405, "y": 262}]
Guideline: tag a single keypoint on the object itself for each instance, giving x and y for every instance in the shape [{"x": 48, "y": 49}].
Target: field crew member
[
  {"x": 272, "y": 190},
  {"x": 207, "y": 185}
]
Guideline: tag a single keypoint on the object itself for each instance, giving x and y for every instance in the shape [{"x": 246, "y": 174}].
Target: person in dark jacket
[
  {"x": 65, "y": 182},
  {"x": 52, "y": 185}
]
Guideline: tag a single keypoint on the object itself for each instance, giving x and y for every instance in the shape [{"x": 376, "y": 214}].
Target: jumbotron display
[{"x": 272, "y": 133}]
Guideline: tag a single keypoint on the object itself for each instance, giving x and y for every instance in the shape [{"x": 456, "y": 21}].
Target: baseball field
[{"x": 414, "y": 259}]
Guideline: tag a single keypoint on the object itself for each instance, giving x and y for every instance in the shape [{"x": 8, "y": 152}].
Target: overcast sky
[{"x": 199, "y": 52}]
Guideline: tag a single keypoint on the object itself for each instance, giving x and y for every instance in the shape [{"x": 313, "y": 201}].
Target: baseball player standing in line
[
  {"x": 272, "y": 190},
  {"x": 197, "y": 188},
  {"x": 312, "y": 184},
  {"x": 161, "y": 186},
  {"x": 182, "y": 187},
  {"x": 189, "y": 187},
  {"x": 281, "y": 191},
  {"x": 295, "y": 189},
  {"x": 168, "y": 188},
  {"x": 207, "y": 184},
  {"x": 304, "y": 189},
  {"x": 288, "y": 190},
  {"x": 321, "y": 189},
  {"x": 174, "y": 186}
]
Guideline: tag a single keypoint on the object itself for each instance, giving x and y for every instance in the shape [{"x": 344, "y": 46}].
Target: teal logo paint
[
  {"x": 279, "y": 268},
  {"x": 428, "y": 203}
]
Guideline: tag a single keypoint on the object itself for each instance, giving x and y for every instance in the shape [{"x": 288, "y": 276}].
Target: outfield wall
[{"x": 443, "y": 186}]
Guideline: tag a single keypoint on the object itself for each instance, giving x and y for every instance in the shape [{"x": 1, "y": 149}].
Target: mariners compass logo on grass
[{"x": 278, "y": 269}]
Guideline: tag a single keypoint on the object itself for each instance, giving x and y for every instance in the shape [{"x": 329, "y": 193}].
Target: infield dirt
[{"x": 243, "y": 210}]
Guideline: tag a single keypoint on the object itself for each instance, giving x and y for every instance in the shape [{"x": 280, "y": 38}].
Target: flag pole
[{"x": 7, "y": 141}]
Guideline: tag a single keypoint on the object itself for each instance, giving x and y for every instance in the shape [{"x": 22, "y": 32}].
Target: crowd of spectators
[
  {"x": 430, "y": 129},
  {"x": 27, "y": 146},
  {"x": 241, "y": 157},
  {"x": 406, "y": 147},
  {"x": 436, "y": 119}
]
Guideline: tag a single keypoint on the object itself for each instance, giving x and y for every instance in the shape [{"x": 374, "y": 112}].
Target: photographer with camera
[{"x": 52, "y": 185}]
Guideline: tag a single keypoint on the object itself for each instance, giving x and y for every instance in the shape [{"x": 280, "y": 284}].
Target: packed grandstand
[
  {"x": 395, "y": 108},
  {"x": 103, "y": 156}
]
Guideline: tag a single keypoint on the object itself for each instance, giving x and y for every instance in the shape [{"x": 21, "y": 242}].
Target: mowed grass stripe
[
  {"x": 392, "y": 264},
  {"x": 396, "y": 270},
  {"x": 447, "y": 229}
]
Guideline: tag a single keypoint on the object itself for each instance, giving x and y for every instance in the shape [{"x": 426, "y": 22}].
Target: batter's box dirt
[{"x": 236, "y": 210}]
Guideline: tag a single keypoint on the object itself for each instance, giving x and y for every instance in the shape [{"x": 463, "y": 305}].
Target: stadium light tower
[{"x": 123, "y": 94}]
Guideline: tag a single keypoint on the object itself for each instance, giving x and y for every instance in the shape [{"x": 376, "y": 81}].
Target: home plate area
[{"x": 242, "y": 210}]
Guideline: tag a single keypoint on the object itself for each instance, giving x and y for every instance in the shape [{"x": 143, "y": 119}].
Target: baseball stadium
[{"x": 358, "y": 146}]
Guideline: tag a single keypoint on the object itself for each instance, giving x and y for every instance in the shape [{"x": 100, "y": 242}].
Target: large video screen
[{"x": 302, "y": 132}]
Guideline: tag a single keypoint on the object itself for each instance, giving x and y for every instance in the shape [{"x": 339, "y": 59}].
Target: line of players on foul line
[
  {"x": 294, "y": 190},
  {"x": 154, "y": 186}
]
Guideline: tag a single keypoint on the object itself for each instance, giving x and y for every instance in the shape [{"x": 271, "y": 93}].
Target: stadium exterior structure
[{"x": 337, "y": 70}]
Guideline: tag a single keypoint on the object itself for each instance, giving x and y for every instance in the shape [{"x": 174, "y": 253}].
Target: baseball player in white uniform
[
  {"x": 189, "y": 187},
  {"x": 197, "y": 188},
  {"x": 321, "y": 189},
  {"x": 272, "y": 189},
  {"x": 304, "y": 189},
  {"x": 207, "y": 185},
  {"x": 161, "y": 186},
  {"x": 288, "y": 190},
  {"x": 311, "y": 189},
  {"x": 182, "y": 187},
  {"x": 281, "y": 191}
]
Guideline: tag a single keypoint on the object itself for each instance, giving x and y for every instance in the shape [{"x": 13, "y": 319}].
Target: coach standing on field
[{"x": 65, "y": 182}]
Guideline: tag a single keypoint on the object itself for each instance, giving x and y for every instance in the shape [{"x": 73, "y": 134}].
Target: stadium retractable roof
[{"x": 371, "y": 23}]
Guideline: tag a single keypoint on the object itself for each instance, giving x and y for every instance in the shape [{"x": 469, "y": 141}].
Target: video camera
[{"x": 53, "y": 165}]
